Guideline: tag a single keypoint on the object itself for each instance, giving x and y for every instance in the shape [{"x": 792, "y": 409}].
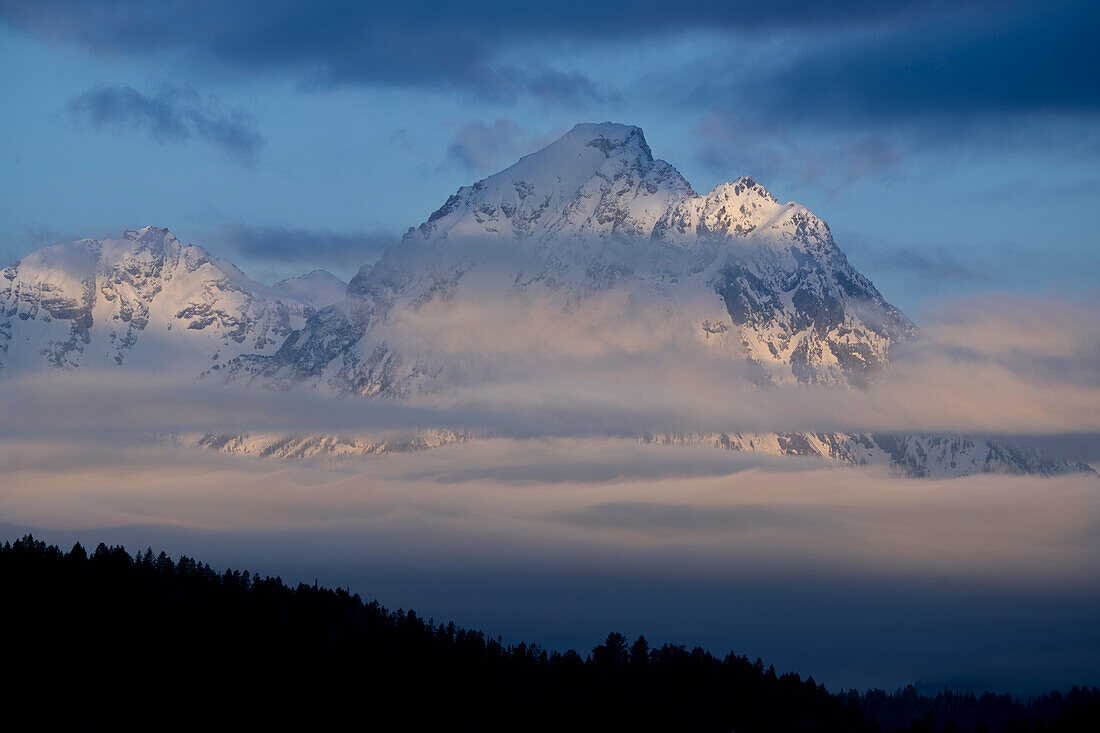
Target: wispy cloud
[
  {"x": 931, "y": 263},
  {"x": 171, "y": 115},
  {"x": 731, "y": 143},
  {"x": 482, "y": 147},
  {"x": 301, "y": 246}
]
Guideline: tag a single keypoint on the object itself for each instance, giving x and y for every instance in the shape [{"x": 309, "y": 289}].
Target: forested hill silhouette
[{"x": 114, "y": 641}]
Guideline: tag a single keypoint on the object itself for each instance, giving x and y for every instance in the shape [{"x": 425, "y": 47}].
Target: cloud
[
  {"x": 172, "y": 115},
  {"x": 617, "y": 366},
  {"x": 669, "y": 519},
  {"x": 1039, "y": 339},
  {"x": 297, "y": 246},
  {"x": 987, "y": 75},
  {"x": 423, "y": 44},
  {"x": 733, "y": 518},
  {"x": 770, "y": 150},
  {"x": 481, "y": 146},
  {"x": 1017, "y": 62},
  {"x": 931, "y": 263}
]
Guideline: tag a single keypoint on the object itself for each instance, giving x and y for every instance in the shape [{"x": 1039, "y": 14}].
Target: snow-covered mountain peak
[
  {"x": 592, "y": 213},
  {"x": 597, "y": 179},
  {"x": 150, "y": 235},
  {"x": 743, "y": 188},
  {"x": 580, "y": 153},
  {"x": 110, "y": 301}
]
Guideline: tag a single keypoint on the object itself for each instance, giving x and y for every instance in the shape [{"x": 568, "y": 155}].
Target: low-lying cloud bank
[
  {"x": 616, "y": 366},
  {"x": 610, "y": 504}
]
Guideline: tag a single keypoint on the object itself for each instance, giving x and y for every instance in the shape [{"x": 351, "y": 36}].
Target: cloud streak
[
  {"x": 481, "y": 146},
  {"x": 769, "y": 150},
  {"x": 299, "y": 246},
  {"x": 170, "y": 116}
]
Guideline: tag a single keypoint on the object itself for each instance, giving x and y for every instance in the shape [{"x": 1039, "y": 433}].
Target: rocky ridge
[{"x": 145, "y": 300}]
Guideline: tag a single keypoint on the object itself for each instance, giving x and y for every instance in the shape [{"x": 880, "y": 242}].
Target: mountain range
[
  {"x": 591, "y": 216},
  {"x": 592, "y": 212},
  {"x": 147, "y": 301}
]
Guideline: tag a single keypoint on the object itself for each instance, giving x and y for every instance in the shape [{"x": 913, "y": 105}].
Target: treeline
[
  {"x": 113, "y": 641},
  {"x": 1079, "y": 709}
]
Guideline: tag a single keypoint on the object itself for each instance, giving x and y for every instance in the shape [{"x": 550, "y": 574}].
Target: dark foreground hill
[{"x": 111, "y": 642}]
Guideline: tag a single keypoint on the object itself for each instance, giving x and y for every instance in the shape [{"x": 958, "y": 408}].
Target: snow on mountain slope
[
  {"x": 145, "y": 300},
  {"x": 913, "y": 456},
  {"x": 591, "y": 213},
  {"x": 316, "y": 448}
]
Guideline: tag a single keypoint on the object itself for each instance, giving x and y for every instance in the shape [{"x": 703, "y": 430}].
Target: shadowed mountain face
[{"x": 591, "y": 213}]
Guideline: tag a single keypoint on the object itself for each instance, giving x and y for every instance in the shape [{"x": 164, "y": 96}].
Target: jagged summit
[
  {"x": 592, "y": 212},
  {"x": 598, "y": 179},
  {"x": 580, "y": 154},
  {"x": 601, "y": 181},
  {"x": 147, "y": 298}
]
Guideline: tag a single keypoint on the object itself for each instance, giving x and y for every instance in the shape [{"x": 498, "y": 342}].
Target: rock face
[
  {"x": 592, "y": 212},
  {"x": 145, "y": 300}
]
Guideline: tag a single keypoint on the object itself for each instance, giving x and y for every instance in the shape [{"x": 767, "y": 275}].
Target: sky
[{"x": 952, "y": 147}]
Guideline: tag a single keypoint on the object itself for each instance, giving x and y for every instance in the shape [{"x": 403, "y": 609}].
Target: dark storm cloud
[
  {"x": 310, "y": 246},
  {"x": 1033, "y": 59},
  {"x": 423, "y": 44},
  {"x": 171, "y": 115},
  {"x": 859, "y": 102}
]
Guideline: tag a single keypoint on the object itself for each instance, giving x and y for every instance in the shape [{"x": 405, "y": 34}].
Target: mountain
[
  {"x": 145, "y": 300},
  {"x": 590, "y": 224},
  {"x": 594, "y": 212}
]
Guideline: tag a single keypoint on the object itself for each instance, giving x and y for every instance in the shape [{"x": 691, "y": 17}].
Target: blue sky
[{"x": 952, "y": 147}]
